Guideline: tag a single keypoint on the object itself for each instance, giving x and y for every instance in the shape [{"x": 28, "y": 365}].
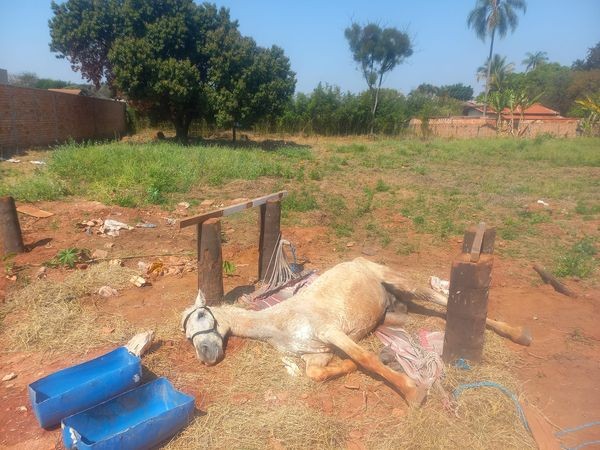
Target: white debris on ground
[
  {"x": 107, "y": 291},
  {"x": 290, "y": 366},
  {"x": 439, "y": 285},
  {"x": 140, "y": 343},
  {"x": 111, "y": 227}
]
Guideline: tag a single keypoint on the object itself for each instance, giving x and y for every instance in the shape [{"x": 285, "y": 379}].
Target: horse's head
[{"x": 201, "y": 328}]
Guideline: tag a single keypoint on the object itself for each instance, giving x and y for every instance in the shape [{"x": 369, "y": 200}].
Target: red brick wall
[
  {"x": 37, "y": 117},
  {"x": 470, "y": 127}
]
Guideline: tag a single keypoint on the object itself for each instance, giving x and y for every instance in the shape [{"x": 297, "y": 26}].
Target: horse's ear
[{"x": 200, "y": 299}]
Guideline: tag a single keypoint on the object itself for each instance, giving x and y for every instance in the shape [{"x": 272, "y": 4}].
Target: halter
[{"x": 210, "y": 330}]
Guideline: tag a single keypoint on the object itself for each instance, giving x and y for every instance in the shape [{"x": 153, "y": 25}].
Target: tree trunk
[
  {"x": 487, "y": 78},
  {"x": 182, "y": 122},
  {"x": 376, "y": 102},
  {"x": 233, "y": 129}
]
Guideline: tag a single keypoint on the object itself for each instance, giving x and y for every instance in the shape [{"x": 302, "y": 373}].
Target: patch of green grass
[
  {"x": 382, "y": 186},
  {"x": 579, "y": 261},
  {"x": 302, "y": 201},
  {"x": 587, "y": 208},
  {"x": 352, "y": 148},
  {"x": 134, "y": 174},
  {"x": 36, "y": 187}
]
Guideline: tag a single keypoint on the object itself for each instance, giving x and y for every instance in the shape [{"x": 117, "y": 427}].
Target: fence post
[
  {"x": 468, "y": 299},
  {"x": 210, "y": 261},
  {"x": 270, "y": 220},
  {"x": 11, "y": 239}
]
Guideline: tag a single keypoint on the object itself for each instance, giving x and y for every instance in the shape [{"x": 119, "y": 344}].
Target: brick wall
[
  {"x": 37, "y": 117},
  {"x": 470, "y": 127}
]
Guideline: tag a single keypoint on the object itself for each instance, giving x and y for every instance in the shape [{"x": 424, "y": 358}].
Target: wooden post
[
  {"x": 468, "y": 299},
  {"x": 270, "y": 219},
  {"x": 210, "y": 261},
  {"x": 11, "y": 240}
]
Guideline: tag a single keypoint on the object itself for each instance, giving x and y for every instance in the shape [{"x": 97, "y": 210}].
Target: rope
[
  {"x": 572, "y": 430},
  {"x": 504, "y": 390},
  {"x": 282, "y": 272}
]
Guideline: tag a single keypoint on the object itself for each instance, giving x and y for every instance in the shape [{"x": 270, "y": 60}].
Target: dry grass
[
  {"x": 253, "y": 403},
  {"x": 50, "y": 316}
]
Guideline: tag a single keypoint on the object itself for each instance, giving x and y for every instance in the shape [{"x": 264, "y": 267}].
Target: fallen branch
[{"x": 551, "y": 279}]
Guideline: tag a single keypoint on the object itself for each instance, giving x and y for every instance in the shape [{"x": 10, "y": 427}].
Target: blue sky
[{"x": 312, "y": 34}]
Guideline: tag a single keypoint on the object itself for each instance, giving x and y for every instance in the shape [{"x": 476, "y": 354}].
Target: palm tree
[
  {"x": 533, "y": 60},
  {"x": 489, "y": 16},
  {"x": 497, "y": 72}
]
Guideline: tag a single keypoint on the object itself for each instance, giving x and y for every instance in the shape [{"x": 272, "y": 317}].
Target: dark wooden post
[
  {"x": 270, "y": 220},
  {"x": 11, "y": 240},
  {"x": 468, "y": 300},
  {"x": 210, "y": 261}
]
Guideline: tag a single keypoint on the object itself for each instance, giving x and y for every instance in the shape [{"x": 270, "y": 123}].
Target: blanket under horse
[{"x": 341, "y": 307}]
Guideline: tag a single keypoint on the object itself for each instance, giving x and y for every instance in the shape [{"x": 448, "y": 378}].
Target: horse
[{"x": 346, "y": 303}]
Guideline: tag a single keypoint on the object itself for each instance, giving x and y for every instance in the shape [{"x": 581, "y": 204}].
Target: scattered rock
[
  {"x": 207, "y": 203},
  {"x": 145, "y": 224},
  {"x": 107, "y": 291},
  {"x": 11, "y": 277},
  {"x": 369, "y": 251},
  {"x": 138, "y": 281},
  {"x": 10, "y": 376},
  {"x": 109, "y": 245},
  {"x": 350, "y": 244},
  {"x": 170, "y": 221},
  {"x": 183, "y": 205},
  {"x": 115, "y": 262},
  {"x": 99, "y": 254},
  {"x": 22, "y": 408}
]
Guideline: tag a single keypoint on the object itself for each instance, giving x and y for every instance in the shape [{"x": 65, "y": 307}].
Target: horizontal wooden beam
[{"x": 229, "y": 210}]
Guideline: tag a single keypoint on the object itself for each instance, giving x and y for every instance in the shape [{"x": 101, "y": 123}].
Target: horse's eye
[{"x": 200, "y": 314}]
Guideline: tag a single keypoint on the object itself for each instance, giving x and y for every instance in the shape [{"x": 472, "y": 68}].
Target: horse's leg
[
  {"x": 319, "y": 369},
  {"x": 395, "y": 319},
  {"x": 413, "y": 394}
]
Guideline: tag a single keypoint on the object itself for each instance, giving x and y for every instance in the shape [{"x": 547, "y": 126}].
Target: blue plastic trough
[
  {"x": 80, "y": 387},
  {"x": 138, "y": 419}
]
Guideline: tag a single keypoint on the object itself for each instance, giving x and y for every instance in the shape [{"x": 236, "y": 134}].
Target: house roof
[
  {"x": 67, "y": 91},
  {"x": 535, "y": 111}
]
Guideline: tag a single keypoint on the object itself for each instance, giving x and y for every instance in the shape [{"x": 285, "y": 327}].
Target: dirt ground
[{"x": 559, "y": 371}]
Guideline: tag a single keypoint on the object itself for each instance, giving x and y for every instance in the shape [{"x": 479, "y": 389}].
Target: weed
[
  {"x": 229, "y": 268},
  {"x": 300, "y": 201},
  {"x": 315, "y": 175},
  {"x": 382, "y": 186},
  {"x": 579, "y": 261},
  {"x": 68, "y": 257},
  {"x": 585, "y": 209}
]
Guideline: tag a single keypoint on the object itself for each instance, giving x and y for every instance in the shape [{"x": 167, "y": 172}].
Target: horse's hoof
[{"x": 416, "y": 396}]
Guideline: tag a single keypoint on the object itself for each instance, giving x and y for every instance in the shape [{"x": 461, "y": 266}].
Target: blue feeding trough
[
  {"x": 138, "y": 419},
  {"x": 80, "y": 387}
]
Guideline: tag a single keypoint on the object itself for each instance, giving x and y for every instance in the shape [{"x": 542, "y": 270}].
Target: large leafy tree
[
  {"x": 489, "y": 17},
  {"x": 377, "y": 51},
  {"x": 533, "y": 60},
  {"x": 247, "y": 82},
  {"x": 83, "y": 31},
  {"x": 166, "y": 56},
  {"x": 592, "y": 60}
]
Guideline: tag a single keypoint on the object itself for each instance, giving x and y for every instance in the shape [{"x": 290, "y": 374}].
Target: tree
[
  {"x": 377, "y": 51},
  {"x": 458, "y": 91},
  {"x": 489, "y": 16},
  {"x": 24, "y": 79},
  {"x": 495, "y": 72},
  {"x": 247, "y": 82},
  {"x": 83, "y": 31},
  {"x": 533, "y": 60},
  {"x": 592, "y": 61}
]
